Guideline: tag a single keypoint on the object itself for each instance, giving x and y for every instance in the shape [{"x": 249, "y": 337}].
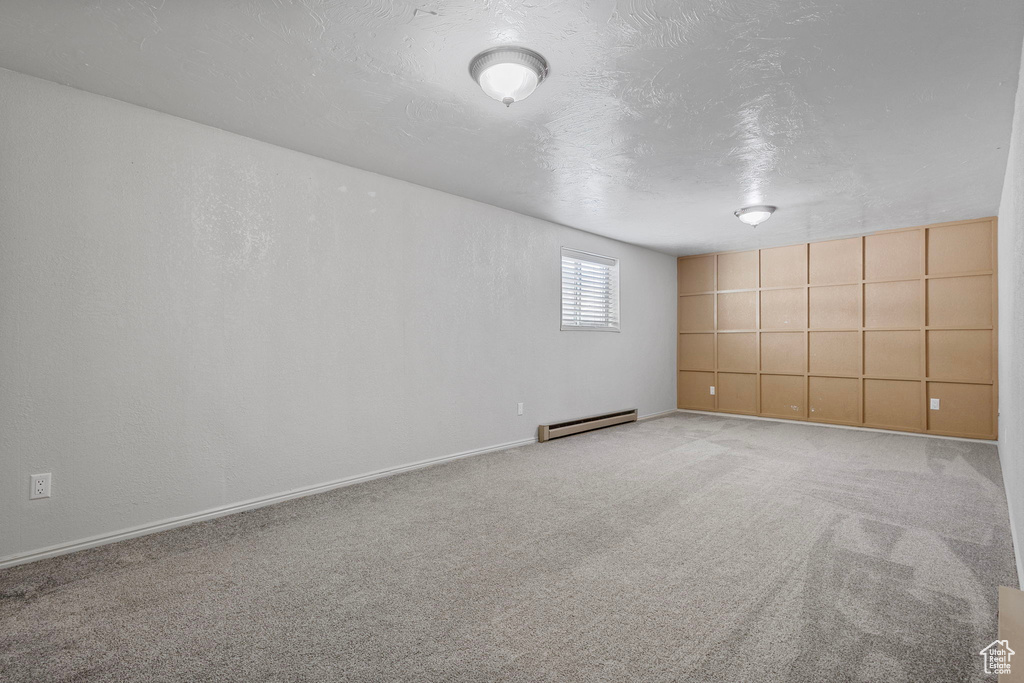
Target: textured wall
[
  {"x": 1011, "y": 327},
  {"x": 190, "y": 318}
]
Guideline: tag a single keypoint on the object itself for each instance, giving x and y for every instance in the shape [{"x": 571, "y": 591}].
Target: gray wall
[
  {"x": 1011, "y": 327},
  {"x": 190, "y": 318}
]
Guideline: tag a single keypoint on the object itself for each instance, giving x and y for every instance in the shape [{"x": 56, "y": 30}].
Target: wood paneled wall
[{"x": 861, "y": 331}]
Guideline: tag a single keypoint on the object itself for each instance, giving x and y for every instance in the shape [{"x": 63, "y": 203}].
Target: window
[{"x": 590, "y": 291}]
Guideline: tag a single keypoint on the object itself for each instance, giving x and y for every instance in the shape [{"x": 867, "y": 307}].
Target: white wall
[
  {"x": 190, "y": 318},
  {"x": 1011, "y": 327}
]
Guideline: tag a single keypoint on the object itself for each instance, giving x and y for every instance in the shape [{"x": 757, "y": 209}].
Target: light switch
[{"x": 935, "y": 404}]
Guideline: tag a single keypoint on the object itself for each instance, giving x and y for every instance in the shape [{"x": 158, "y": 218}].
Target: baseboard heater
[{"x": 584, "y": 424}]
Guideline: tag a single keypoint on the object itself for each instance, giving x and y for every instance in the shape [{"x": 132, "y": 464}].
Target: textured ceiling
[{"x": 659, "y": 118}]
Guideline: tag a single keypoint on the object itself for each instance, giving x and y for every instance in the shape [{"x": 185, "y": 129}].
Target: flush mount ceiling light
[
  {"x": 508, "y": 74},
  {"x": 755, "y": 215}
]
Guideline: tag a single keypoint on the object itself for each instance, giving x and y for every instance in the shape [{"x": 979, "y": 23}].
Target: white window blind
[{"x": 590, "y": 291}]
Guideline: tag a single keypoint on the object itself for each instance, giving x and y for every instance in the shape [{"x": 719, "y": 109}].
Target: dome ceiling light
[
  {"x": 508, "y": 74},
  {"x": 755, "y": 215}
]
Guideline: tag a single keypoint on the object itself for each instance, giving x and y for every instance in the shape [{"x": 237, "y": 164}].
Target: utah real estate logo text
[{"x": 997, "y": 657}]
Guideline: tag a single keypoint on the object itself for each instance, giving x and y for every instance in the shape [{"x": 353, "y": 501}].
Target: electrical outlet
[
  {"x": 935, "y": 404},
  {"x": 519, "y": 409},
  {"x": 712, "y": 391},
  {"x": 40, "y": 486}
]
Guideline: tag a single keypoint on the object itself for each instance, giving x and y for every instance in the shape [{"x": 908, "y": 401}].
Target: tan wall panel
[
  {"x": 963, "y": 409},
  {"x": 893, "y": 255},
  {"x": 737, "y": 351},
  {"x": 960, "y": 248},
  {"x": 848, "y": 331},
  {"x": 834, "y": 353},
  {"x": 835, "y": 307},
  {"x": 696, "y": 274},
  {"x": 964, "y": 355},
  {"x": 697, "y": 313},
  {"x": 835, "y": 262},
  {"x": 783, "y": 308},
  {"x": 893, "y": 354},
  {"x": 737, "y": 270},
  {"x": 833, "y": 399},
  {"x": 696, "y": 352},
  {"x": 782, "y": 396},
  {"x": 784, "y": 266},
  {"x": 737, "y": 392},
  {"x": 694, "y": 390},
  {"x": 893, "y": 404},
  {"x": 960, "y": 301},
  {"x": 737, "y": 311},
  {"x": 783, "y": 352},
  {"x": 892, "y": 304}
]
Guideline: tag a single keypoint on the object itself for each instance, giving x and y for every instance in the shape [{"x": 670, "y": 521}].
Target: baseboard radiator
[{"x": 584, "y": 424}]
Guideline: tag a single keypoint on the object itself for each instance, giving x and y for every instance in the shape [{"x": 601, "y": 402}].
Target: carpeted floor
[{"x": 684, "y": 548}]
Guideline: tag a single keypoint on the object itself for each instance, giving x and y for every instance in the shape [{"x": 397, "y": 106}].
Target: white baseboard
[
  {"x": 1016, "y": 546},
  {"x": 1014, "y": 529},
  {"x": 232, "y": 508},
  {"x": 654, "y": 415},
  {"x": 833, "y": 426}
]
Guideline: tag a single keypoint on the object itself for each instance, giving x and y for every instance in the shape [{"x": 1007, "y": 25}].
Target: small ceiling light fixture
[
  {"x": 507, "y": 73},
  {"x": 755, "y": 215}
]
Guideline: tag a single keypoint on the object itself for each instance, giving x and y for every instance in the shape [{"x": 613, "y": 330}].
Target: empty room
[{"x": 511, "y": 340}]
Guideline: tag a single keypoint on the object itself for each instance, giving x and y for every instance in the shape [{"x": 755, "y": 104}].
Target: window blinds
[{"x": 590, "y": 291}]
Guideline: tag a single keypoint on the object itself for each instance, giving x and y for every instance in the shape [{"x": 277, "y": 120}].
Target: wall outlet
[
  {"x": 712, "y": 391},
  {"x": 40, "y": 486},
  {"x": 519, "y": 409},
  {"x": 935, "y": 404}
]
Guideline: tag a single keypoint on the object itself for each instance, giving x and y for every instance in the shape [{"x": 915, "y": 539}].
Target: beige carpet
[{"x": 685, "y": 548}]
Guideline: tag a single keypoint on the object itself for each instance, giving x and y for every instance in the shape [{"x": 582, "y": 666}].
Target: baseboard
[
  {"x": 654, "y": 415},
  {"x": 1014, "y": 536},
  {"x": 833, "y": 426},
  {"x": 221, "y": 511}
]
